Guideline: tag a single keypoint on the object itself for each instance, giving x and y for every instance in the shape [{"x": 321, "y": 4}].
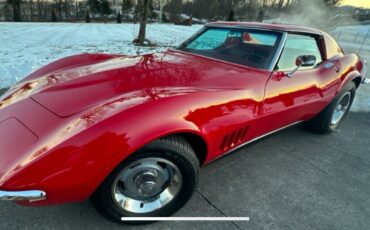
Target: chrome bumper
[{"x": 31, "y": 195}]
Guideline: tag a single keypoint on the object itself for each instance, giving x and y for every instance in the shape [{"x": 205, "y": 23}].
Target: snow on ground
[{"x": 25, "y": 47}]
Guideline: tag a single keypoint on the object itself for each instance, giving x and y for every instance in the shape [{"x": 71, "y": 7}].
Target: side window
[{"x": 295, "y": 46}]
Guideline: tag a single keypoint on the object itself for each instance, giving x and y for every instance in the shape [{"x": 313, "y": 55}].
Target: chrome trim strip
[
  {"x": 301, "y": 30},
  {"x": 244, "y": 27},
  {"x": 278, "y": 52},
  {"x": 260, "y": 137},
  {"x": 30, "y": 195}
]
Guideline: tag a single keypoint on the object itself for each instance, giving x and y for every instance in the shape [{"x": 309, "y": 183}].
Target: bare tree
[
  {"x": 16, "y": 5},
  {"x": 126, "y": 8},
  {"x": 332, "y": 3},
  {"x": 53, "y": 16},
  {"x": 175, "y": 7},
  {"x": 143, "y": 16}
]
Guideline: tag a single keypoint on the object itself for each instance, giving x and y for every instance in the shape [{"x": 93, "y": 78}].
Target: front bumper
[
  {"x": 365, "y": 80},
  {"x": 30, "y": 195}
]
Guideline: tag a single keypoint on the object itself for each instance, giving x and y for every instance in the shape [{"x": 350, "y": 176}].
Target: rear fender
[{"x": 347, "y": 78}]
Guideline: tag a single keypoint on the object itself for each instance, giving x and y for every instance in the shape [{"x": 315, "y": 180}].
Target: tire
[
  {"x": 141, "y": 179},
  {"x": 330, "y": 118}
]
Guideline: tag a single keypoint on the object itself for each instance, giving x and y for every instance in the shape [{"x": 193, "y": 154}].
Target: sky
[{"x": 357, "y": 3}]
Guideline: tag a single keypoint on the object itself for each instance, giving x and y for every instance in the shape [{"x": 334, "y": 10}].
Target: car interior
[
  {"x": 246, "y": 50},
  {"x": 239, "y": 47}
]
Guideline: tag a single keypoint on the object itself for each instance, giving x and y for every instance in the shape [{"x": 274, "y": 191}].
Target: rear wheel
[
  {"x": 332, "y": 116},
  {"x": 154, "y": 182}
]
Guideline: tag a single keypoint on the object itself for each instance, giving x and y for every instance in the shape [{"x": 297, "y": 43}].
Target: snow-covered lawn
[{"x": 24, "y": 47}]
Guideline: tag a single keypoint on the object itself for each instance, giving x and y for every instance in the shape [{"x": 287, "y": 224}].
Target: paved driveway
[{"x": 291, "y": 180}]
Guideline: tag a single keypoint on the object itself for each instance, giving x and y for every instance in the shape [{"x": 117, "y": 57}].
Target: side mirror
[{"x": 303, "y": 61}]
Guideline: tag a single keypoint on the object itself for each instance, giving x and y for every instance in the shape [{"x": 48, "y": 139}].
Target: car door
[{"x": 289, "y": 100}]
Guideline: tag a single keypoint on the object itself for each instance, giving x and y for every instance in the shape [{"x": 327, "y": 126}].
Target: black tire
[
  {"x": 322, "y": 123},
  {"x": 173, "y": 149}
]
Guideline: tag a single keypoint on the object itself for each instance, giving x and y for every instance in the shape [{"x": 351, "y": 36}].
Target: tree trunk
[
  {"x": 143, "y": 20},
  {"x": 31, "y": 11},
  {"x": 231, "y": 16},
  {"x": 59, "y": 9},
  {"x": 16, "y": 10},
  {"x": 39, "y": 10}
]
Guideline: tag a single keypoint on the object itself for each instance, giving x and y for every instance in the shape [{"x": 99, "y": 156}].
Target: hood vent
[{"x": 233, "y": 139}]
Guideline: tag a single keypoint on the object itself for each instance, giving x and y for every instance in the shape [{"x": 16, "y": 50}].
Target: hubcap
[
  {"x": 341, "y": 108},
  {"x": 146, "y": 185}
]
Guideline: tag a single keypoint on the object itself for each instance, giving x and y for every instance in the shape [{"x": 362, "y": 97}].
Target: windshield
[{"x": 249, "y": 47}]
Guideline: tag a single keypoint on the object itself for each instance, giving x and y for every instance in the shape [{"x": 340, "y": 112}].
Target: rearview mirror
[{"x": 303, "y": 61}]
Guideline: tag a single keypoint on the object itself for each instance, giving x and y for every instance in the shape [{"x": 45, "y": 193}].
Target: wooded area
[
  {"x": 76, "y": 10},
  {"x": 318, "y": 13}
]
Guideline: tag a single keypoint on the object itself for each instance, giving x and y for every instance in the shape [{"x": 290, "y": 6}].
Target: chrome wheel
[
  {"x": 146, "y": 185},
  {"x": 341, "y": 108}
]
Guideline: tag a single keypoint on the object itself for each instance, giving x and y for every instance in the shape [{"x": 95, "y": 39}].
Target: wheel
[
  {"x": 156, "y": 181},
  {"x": 332, "y": 116}
]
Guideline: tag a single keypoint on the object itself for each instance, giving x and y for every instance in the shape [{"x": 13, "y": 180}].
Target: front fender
[{"x": 70, "y": 168}]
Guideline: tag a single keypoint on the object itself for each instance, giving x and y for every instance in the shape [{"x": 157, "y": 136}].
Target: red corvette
[{"x": 130, "y": 132}]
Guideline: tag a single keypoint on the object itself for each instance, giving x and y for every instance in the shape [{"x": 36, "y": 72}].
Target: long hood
[{"x": 72, "y": 90}]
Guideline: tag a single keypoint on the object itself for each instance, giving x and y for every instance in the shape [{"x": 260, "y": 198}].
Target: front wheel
[
  {"x": 154, "y": 182},
  {"x": 332, "y": 116}
]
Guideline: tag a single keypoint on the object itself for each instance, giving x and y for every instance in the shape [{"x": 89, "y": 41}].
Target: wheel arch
[
  {"x": 357, "y": 80},
  {"x": 353, "y": 76},
  {"x": 197, "y": 143}
]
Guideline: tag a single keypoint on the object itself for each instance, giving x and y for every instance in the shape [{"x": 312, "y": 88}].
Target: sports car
[{"x": 131, "y": 132}]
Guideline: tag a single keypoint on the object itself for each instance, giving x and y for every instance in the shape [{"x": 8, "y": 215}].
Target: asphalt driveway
[{"x": 291, "y": 180}]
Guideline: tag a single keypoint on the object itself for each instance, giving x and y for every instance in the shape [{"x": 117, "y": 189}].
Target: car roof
[{"x": 268, "y": 26}]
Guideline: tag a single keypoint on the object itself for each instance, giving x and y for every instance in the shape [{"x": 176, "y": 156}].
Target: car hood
[{"x": 73, "y": 90}]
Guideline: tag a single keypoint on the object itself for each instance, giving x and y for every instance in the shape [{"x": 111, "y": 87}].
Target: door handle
[{"x": 337, "y": 69}]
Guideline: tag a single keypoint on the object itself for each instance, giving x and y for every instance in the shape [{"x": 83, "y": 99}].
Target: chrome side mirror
[{"x": 303, "y": 61}]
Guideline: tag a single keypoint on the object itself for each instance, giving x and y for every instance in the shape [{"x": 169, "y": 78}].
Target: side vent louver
[{"x": 234, "y": 138}]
